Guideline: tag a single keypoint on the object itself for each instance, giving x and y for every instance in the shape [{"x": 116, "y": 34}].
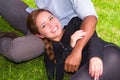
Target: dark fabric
[
  {"x": 50, "y": 67},
  {"x": 62, "y": 49},
  {"x": 111, "y": 65},
  {"x": 14, "y": 12}
]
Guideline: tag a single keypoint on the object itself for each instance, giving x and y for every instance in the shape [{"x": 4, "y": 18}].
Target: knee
[
  {"x": 22, "y": 55},
  {"x": 30, "y": 48},
  {"x": 14, "y": 58},
  {"x": 112, "y": 54}
]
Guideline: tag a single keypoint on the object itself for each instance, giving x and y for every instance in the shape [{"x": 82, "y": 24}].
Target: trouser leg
[
  {"x": 82, "y": 74},
  {"x": 22, "y": 48},
  {"x": 111, "y": 62},
  {"x": 14, "y": 12}
]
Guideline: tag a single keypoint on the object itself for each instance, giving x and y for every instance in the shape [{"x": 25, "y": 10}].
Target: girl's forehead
[
  {"x": 43, "y": 15},
  {"x": 46, "y": 13}
]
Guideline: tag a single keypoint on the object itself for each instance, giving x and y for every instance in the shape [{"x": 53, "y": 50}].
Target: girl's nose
[{"x": 51, "y": 24}]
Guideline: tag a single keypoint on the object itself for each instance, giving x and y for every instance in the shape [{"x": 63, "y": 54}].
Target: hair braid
[{"x": 49, "y": 49}]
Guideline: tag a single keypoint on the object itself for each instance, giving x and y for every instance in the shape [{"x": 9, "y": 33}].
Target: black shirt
[{"x": 62, "y": 49}]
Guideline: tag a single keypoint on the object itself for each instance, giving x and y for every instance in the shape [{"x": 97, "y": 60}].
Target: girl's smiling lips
[{"x": 54, "y": 29}]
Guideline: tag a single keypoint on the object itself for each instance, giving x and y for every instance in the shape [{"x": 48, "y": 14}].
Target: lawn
[{"x": 108, "y": 29}]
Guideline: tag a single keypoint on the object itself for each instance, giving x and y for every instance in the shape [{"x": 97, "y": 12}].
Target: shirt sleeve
[
  {"x": 83, "y": 8},
  {"x": 29, "y": 9},
  {"x": 95, "y": 46}
]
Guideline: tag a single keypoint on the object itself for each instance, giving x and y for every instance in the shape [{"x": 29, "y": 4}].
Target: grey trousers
[{"x": 22, "y": 48}]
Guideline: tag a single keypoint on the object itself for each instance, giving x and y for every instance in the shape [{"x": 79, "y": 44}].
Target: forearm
[{"x": 88, "y": 25}]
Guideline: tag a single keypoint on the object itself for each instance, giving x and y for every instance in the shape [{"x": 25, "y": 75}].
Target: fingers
[
  {"x": 71, "y": 65},
  {"x": 77, "y": 35},
  {"x": 95, "y": 71},
  {"x": 95, "y": 68},
  {"x": 70, "y": 68},
  {"x": 96, "y": 78},
  {"x": 72, "y": 62}
]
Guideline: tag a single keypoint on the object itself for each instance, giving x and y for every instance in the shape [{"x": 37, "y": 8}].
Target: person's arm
[
  {"x": 73, "y": 60},
  {"x": 96, "y": 56},
  {"x": 84, "y": 10}
]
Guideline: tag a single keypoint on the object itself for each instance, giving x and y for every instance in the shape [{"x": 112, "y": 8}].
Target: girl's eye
[
  {"x": 43, "y": 26},
  {"x": 51, "y": 18}
]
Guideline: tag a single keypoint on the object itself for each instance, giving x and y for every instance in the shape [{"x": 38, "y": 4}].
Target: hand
[
  {"x": 72, "y": 62},
  {"x": 79, "y": 34},
  {"x": 95, "y": 67}
]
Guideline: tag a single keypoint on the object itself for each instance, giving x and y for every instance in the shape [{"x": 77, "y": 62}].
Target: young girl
[{"x": 99, "y": 59}]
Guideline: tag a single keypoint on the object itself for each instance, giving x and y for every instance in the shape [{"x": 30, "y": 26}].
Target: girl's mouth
[{"x": 54, "y": 29}]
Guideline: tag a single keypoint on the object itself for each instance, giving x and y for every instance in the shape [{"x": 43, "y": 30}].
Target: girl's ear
[{"x": 40, "y": 36}]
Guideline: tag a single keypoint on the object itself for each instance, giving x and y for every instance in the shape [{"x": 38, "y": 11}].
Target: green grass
[
  {"x": 32, "y": 70},
  {"x": 108, "y": 28}
]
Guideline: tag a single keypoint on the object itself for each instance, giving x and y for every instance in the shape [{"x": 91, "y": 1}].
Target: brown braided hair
[
  {"x": 31, "y": 24},
  {"x": 49, "y": 49}
]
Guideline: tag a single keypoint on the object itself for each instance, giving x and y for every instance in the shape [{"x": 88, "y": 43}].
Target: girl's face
[{"x": 48, "y": 25}]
